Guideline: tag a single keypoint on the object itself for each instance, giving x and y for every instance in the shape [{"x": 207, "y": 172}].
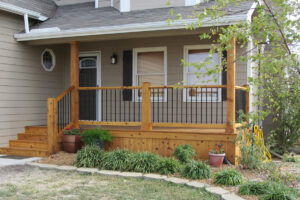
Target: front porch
[{"x": 146, "y": 117}]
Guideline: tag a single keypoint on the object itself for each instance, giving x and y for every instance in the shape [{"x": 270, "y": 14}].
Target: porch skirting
[{"x": 163, "y": 141}]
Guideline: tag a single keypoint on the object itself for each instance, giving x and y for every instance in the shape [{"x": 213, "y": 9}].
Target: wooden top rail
[
  {"x": 65, "y": 93},
  {"x": 110, "y": 88},
  {"x": 245, "y": 88},
  {"x": 188, "y": 86}
]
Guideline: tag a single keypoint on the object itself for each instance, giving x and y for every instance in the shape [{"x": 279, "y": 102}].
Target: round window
[{"x": 48, "y": 60}]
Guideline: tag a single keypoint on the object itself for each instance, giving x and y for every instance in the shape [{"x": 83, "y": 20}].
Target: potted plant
[
  {"x": 71, "y": 140},
  {"x": 96, "y": 136},
  {"x": 216, "y": 156}
]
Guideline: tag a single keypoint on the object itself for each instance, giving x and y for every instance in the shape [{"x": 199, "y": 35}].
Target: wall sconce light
[{"x": 114, "y": 59}]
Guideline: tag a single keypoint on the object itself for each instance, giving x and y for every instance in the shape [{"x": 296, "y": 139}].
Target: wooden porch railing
[{"x": 59, "y": 117}]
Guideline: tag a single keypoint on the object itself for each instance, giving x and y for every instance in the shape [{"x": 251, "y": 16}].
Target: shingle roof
[
  {"x": 86, "y": 16},
  {"x": 45, "y": 7}
]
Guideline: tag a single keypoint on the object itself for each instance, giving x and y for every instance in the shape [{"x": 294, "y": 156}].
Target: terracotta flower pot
[
  {"x": 71, "y": 143},
  {"x": 216, "y": 160}
]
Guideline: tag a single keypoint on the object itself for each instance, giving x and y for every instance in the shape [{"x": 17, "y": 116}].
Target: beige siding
[
  {"x": 140, "y": 5},
  {"x": 24, "y": 85},
  {"x": 112, "y": 74}
]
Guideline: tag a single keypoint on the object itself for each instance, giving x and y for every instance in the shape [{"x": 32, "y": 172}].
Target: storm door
[{"x": 88, "y": 78}]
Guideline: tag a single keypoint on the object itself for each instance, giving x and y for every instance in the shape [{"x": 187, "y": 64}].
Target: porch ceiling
[{"x": 85, "y": 23}]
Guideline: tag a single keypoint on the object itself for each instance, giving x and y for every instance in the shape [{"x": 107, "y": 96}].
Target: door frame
[{"x": 98, "y": 77}]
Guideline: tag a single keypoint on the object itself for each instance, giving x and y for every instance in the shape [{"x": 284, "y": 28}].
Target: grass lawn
[{"x": 21, "y": 182}]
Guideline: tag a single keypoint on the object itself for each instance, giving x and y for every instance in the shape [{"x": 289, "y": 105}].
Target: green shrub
[
  {"x": 144, "y": 162},
  {"x": 228, "y": 177},
  {"x": 196, "y": 170},
  {"x": 254, "y": 188},
  {"x": 251, "y": 151},
  {"x": 278, "y": 191},
  {"x": 168, "y": 166},
  {"x": 184, "y": 153},
  {"x": 289, "y": 158},
  {"x": 72, "y": 131},
  {"x": 89, "y": 156},
  {"x": 268, "y": 190},
  {"x": 119, "y": 159},
  {"x": 90, "y": 136}
]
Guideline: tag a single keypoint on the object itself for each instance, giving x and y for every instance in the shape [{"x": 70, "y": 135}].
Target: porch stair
[{"x": 32, "y": 143}]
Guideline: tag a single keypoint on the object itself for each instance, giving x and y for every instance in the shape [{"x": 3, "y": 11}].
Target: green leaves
[
  {"x": 229, "y": 177},
  {"x": 184, "y": 153},
  {"x": 196, "y": 170}
]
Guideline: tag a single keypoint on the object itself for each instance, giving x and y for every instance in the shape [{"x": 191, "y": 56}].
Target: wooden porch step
[
  {"x": 24, "y": 152},
  {"x": 32, "y": 137},
  {"x": 28, "y": 144},
  {"x": 38, "y": 130}
]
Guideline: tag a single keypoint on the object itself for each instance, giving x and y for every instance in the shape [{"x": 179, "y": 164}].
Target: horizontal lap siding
[
  {"x": 140, "y": 5},
  {"x": 24, "y": 84},
  {"x": 112, "y": 75}
]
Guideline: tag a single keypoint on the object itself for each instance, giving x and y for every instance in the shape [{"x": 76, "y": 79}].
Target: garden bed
[{"x": 63, "y": 158}]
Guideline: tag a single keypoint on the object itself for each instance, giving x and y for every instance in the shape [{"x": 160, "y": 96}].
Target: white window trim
[
  {"x": 192, "y": 2},
  {"x": 134, "y": 70},
  {"x": 53, "y": 57},
  {"x": 125, "y": 5},
  {"x": 185, "y": 74}
]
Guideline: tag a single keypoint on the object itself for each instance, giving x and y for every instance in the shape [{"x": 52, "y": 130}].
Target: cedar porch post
[
  {"x": 146, "y": 107},
  {"x": 231, "y": 73},
  {"x": 74, "y": 81}
]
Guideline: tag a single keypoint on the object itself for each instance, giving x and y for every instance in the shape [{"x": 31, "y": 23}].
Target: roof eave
[
  {"x": 22, "y": 11},
  {"x": 128, "y": 28}
]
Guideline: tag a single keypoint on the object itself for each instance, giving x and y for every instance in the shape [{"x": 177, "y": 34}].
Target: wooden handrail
[
  {"x": 241, "y": 88},
  {"x": 65, "y": 93},
  {"x": 110, "y": 88},
  {"x": 188, "y": 86}
]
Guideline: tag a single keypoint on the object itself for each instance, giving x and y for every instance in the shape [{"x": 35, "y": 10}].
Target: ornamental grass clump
[
  {"x": 229, "y": 177},
  {"x": 184, "y": 153},
  {"x": 168, "y": 166},
  {"x": 196, "y": 170},
  {"x": 119, "y": 159},
  {"x": 268, "y": 190},
  {"x": 254, "y": 188},
  {"x": 89, "y": 156},
  {"x": 144, "y": 162}
]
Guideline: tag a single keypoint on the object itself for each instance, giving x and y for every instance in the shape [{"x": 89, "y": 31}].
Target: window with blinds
[
  {"x": 198, "y": 76},
  {"x": 150, "y": 66}
]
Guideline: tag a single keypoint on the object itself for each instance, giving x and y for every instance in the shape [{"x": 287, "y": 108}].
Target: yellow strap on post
[{"x": 259, "y": 136}]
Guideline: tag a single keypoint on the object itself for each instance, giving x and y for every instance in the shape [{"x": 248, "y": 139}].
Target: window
[
  {"x": 197, "y": 54},
  {"x": 150, "y": 65},
  {"x": 48, "y": 60}
]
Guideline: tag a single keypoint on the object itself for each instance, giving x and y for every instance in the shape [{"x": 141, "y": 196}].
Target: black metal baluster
[
  {"x": 172, "y": 89},
  {"x": 153, "y": 104},
  {"x": 134, "y": 101},
  {"x": 158, "y": 103},
  {"x": 222, "y": 109},
  {"x": 115, "y": 105},
  {"x": 124, "y": 109},
  {"x": 177, "y": 102},
  {"x": 217, "y": 105},
  {"x": 201, "y": 105},
  {"x": 186, "y": 104},
  {"x": 211, "y": 106},
  {"x": 102, "y": 105},
  {"x": 196, "y": 105},
  {"x": 167, "y": 103},
  {"x": 139, "y": 104},
  {"x": 110, "y": 104},
  {"x": 192, "y": 105},
  {"x": 181, "y": 106},
  {"x": 120, "y": 108},
  {"x": 106, "y": 105},
  {"x": 206, "y": 105}
]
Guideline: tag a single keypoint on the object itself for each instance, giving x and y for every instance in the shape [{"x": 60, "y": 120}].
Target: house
[{"x": 114, "y": 63}]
